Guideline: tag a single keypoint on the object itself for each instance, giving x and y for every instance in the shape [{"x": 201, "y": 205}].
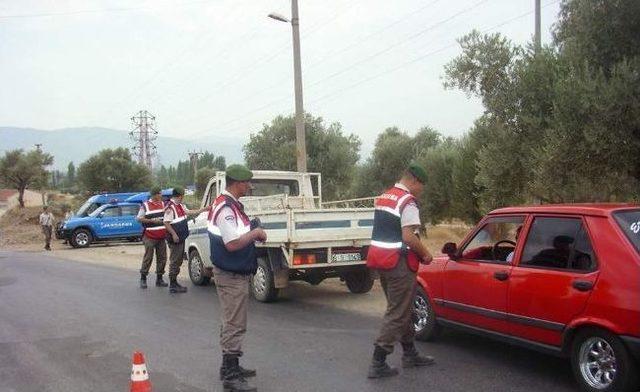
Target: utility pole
[
  {"x": 39, "y": 149},
  {"x": 193, "y": 158},
  {"x": 143, "y": 135},
  {"x": 301, "y": 147},
  {"x": 538, "y": 39}
]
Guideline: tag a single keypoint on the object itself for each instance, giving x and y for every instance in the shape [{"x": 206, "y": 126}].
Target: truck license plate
[{"x": 342, "y": 257}]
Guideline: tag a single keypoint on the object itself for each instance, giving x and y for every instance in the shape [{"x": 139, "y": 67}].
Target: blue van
[{"x": 113, "y": 221}]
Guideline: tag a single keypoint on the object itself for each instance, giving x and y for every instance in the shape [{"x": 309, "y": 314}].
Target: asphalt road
[{"x": 69, "y": 326}]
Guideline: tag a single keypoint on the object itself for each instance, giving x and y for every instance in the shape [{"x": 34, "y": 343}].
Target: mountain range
[{"x": 77, "y": 144}]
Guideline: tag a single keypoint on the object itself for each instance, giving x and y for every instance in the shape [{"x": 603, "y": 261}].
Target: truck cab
[{"x": 306, "y": 240}]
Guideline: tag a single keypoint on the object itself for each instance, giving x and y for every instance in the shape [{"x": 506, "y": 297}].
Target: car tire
[
  {"x": 423, "y": 317},
  {"x": 81, "y": 238},
  {"x": 196, "y": 269},
  {"x": 594, "y": 354},
  {"x": 262, "y": 284},
  {"x": 360, "y": 281}
]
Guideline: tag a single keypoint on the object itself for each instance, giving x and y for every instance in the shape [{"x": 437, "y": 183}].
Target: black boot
[
  {"x": 379, "y": 367},
  {"x": 160, "y": 282},
  {"x": 143, "y": 281},
  {"x": 232, "y": 379},
  {"x": 174, "y": 287},
  {"x": 412, "y": 358},
  {"x": 246, "y": 373}
]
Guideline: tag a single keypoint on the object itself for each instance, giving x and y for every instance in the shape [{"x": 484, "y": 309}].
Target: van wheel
[
  {"x": 262, "y": 285},
  {"x": 424, "y": 318},
  {"x": 601, "y": 362},
  {"x": 81, "y": 238},
  {"x": 196, "y": 269},
  {"x": 359, "y": 282}
]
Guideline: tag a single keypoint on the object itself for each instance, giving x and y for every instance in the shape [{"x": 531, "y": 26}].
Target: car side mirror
[
  {"x": 101, "y": 215},
  {"x": 450, "y": 249}
]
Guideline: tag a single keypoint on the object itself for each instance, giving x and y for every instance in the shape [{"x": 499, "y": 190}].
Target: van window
[
  {"x": 87, "y": 208},
  {"x": 130, "y": 210},
  {"x": 111, "y": 212}
]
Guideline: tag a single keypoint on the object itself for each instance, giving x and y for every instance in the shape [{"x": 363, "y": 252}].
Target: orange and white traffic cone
[{"x": 139, "y": 375}]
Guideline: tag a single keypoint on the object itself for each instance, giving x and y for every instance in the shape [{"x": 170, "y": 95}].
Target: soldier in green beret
[
  {"x": 233, "y": 254},
  {"x": 395, "y": 253}
]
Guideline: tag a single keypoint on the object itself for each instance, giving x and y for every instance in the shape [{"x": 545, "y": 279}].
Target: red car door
[
  {"x": 551, "y": 279},
  {"x": 475, "y": 284}
]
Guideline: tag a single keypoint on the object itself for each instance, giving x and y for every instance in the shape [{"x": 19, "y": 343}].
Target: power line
[
  {"x": 422, "y": 57},
  {"x": 390, "y": 47},
  {"x": 96, "y": 11},
  {"x": 253, "y": 67},
  {"x": 366, "y": 37},
  {"x": 411, "y": 37},
  {"x": 387, "y": 71},
  {"x": 326, "y": 56}
]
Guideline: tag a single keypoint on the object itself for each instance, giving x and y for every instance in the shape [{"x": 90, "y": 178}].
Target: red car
[{"x": 563, "y": 279}]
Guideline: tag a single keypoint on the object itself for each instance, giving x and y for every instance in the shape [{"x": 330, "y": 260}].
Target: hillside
[{"x": 77, "y": 144}]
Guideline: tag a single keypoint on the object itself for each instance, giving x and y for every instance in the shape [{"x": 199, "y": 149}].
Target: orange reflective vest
[{"x": 386, "y": 239}]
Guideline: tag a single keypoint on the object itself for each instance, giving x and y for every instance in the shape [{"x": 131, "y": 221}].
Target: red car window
[
  {"x": 495, "y": 241},
  {"x": 629, "y": 222},
  {"x": 558, "y": 243}
]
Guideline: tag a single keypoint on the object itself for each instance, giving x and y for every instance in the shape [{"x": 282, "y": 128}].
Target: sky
[{"x": 219, "y": 69}]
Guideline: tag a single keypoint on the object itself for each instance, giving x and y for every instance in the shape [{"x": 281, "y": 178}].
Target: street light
[{"x": 301, "y": 149}]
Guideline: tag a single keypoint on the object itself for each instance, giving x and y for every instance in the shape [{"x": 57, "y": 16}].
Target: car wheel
[
  {"x": 424, "y": 318},
  {"x": 359, "y": 282},
  {"x": 81, "y": 238},
  {"x": 196, "y": 269},
  {"x": 262, "y": 285},
  {"x": 601, "y": 362}
]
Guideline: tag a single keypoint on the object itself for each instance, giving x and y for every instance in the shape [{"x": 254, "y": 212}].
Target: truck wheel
[
  {"x": 359, "y": 282},
  {"x": 262, "y": 285},
  {"x": 423, "y": 317},
  {"x": 601, "y": 362},
  {"x": 81, "y": 238},
  {"x": 196, "y": 269}
]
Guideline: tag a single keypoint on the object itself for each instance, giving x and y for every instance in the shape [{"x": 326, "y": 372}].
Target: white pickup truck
[{"x": 307, "y": 240}]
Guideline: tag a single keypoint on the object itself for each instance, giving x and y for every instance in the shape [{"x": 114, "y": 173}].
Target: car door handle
[
  {"x": 582, "y": 285},
  {"x": 501, "y": 275}
]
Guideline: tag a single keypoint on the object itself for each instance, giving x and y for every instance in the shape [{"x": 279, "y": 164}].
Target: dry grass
[
  {"x": 20, "y": 226},
  {"x": 440, "y": 234}
]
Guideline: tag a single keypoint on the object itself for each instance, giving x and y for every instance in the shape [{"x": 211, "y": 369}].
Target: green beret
[
  {"x": 155, "y": 190},
  {"x": 239, "y": 173},
  {"x": 178, "y": 191},
  {"x": 418, "y": 172}
]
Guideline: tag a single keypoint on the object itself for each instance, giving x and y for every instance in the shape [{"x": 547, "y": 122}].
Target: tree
[
  {"x": 23, "y": 170},
  {"x": 329, "y": 150},
  {"x": 437, "y": 199},
  {"x": 561, "y": 123},
  {"x": 602, "y": 33},
  {"x": 113, "y": 170},
  {"x": 203, "y": 175},
  {"x": 71, "y": 174}
]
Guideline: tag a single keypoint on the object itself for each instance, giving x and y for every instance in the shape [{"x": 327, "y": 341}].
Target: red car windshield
[{"x": 629, "y": 222}]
